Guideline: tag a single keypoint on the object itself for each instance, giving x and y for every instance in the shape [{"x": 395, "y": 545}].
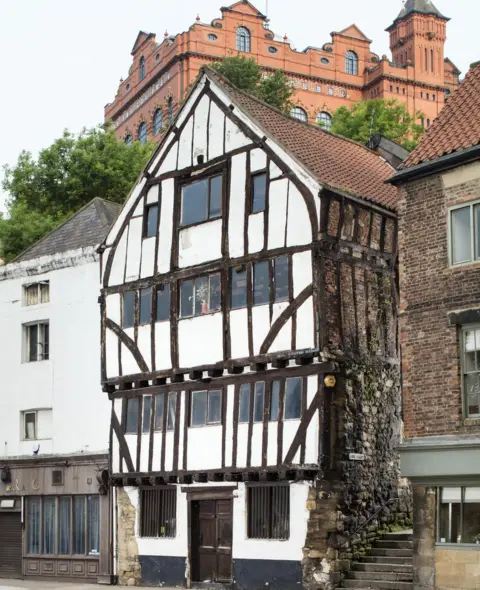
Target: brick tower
[{"x": 418, "y": 35}]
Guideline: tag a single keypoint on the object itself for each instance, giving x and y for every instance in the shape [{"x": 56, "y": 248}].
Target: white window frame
[
  {"x": 473, "y": 259},
  {"x": 26, "y": 340},
  {"x": 39, "y": 293},
  {"x": 466, "y": 328},
  {"x": 24, "y": 425}
]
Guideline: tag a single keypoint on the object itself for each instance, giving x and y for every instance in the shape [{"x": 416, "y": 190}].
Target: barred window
[
  {"x": 268, "y": 509},
  {"x": 158, "y": 516}
]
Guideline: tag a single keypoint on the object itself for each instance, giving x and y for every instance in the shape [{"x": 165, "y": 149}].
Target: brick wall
[{"x": 429, "y": 289}]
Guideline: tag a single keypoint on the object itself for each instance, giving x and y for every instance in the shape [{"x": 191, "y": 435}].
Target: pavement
[{"x": 34, "y": 585}]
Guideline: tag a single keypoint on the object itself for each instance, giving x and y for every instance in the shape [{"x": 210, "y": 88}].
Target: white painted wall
[
  {"x": 69, "y": 382},
  {"x": 242, "y": 547}
]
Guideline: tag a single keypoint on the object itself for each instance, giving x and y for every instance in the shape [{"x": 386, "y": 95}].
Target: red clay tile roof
[
  {"x": 456, "y": 128},
  {"x": 336, "y": 162}
]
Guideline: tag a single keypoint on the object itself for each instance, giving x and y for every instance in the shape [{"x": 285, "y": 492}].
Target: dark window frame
[
  {"x": 255, "y": 175},
  {"x": 142, "y": 133},
  {"x": 157, "y": 121},
  {"x": 194, "y": 280},
  {"x": 264, "y": 504},
  {"x": 207, "y": 422},
  {"x": 351, "y": 63},
  {"x": 135, "y": 306},
  {"x": 146, "y": 212},
  {"x": 243, "y": 40},
  {"x": 461, "y": 517},
  {"x": 210, "y": 175},
  {"x": 162, "y": 288},
  {"x": 142, "y": 69},
  {"x": 41, "y": 352},
  {"x": 158, "y": 506},
  {"x": 169, "y": 398},
  {"x": 464, "y": 366}
]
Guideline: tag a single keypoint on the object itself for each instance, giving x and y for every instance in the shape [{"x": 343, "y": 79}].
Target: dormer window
[
  {"x": 351, "y": 63},
  {"x": 202, "y": 200},
  {"x": 243, "y": 40},
  {"x": 142, "y": 68}
]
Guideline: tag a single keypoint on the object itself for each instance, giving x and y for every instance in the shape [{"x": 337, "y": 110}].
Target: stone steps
[{"x": 387, "y": 567}]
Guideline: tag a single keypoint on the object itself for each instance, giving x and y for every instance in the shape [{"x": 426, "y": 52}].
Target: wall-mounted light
[{"x": 330, "y": 381}]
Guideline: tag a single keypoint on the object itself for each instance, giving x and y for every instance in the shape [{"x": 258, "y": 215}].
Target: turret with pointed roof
[{"x": 420, "y": 7}]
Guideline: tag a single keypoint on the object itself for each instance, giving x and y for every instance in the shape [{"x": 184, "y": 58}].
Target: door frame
[{"x": 195, "y": 493}]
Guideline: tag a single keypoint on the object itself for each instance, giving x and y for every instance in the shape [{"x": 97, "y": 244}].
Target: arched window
[
  {"x": 351, "y": 63},
  {"x": 157, "y": 121},
  {"x": 142, "y": 133},
  {"x": 324, "y": 120},
  {"x": 128, "y": 139},
  {"x": 142, "y": 68},
  {"x": 243, "y": 39},
  {"x": 299, "y": 113},
  {"x": 170, "y": 110}
]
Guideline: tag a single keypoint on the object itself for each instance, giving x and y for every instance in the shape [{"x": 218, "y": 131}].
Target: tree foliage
[
  {"x": 245, "y": 74},
  {"x": 44, "y": 191},
  {"x": 388, "y": 117}
]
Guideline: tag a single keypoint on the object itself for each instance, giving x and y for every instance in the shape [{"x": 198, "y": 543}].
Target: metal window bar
[
  {"x": 269, "y": 512},
  {"x": 158, "y": 513}
]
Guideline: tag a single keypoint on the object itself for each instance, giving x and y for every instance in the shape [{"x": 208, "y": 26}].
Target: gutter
[{"x": 441, "y": 164}]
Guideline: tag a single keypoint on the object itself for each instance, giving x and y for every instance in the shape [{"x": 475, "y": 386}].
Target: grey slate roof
[
  {"x": 87, "y": 227},
  {"x": 422, "y": 6}
]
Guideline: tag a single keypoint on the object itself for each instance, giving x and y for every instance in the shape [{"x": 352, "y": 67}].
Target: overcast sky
[{"x": 61, "y": 60}]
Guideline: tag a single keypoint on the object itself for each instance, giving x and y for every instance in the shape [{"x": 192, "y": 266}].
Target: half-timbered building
[{"x": 249, "y": 349}]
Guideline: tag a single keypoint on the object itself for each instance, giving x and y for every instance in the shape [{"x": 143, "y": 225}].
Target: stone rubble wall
[{"x": 129, "y": 569}]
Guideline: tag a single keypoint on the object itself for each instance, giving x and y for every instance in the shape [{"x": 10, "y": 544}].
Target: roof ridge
[{"x": 227, "y": 82}]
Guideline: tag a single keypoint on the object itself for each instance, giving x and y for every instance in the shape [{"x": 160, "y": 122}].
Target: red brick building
[
  {"x": 340, "y": 72},
  {"x": 439, "y": 244}
]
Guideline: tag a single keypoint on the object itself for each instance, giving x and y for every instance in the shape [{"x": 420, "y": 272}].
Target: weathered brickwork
[{"x": 430, "y": 289}]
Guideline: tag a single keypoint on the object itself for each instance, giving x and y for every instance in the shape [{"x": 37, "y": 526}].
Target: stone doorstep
[
  {"x": 381, "y": 576},
  {"x": 387, "y": 544},
  {"x": 382, "y": 567},
  {"x": 380, "y": 584},
  {"x": 378, "y": 552},
  {"x": 387, "y": 559}
]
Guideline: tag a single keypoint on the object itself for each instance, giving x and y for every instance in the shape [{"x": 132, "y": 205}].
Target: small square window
[
  {"x": 37, "y": 293},
  {"x": 268, "y": 512},
  {"x": 206, "y": 408},
  {"x": 200, "y": 296},
  {"x": 151, "y": 221},
  {"x": 465, "y": 234},
  {"x": 30, "y": 425},
  {"x": 202, "y": 200}
]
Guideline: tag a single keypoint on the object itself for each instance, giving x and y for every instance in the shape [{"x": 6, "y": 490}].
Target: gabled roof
[
  {"x": 353, "y": 31},
  {"x": 419, "y": 7},
  {"x": 337, "y": 163},
  {"x": 455, "y": 70},
  {"x": 142, "y": 37},
  {"x": 87, "y": 227},
  {"x": 244, "y": 6},
  {"x": 456, "y": 128}
]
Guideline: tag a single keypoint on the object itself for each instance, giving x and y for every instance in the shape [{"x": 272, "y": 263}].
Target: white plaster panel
[
  {"x": 200, "y": 129},
  {"x": 166, "y": 226},
  {"x": 169, "y": 446},
  {"x": 139, "y": 208},
  {"x": 290, "y": 428},
  {"x": 255, "y": 232},
  {"x": 144, "y": 453},
  {"x": 257, "y": 438},
  {"x": 113, "y": 307},
  {"x": 170, "y": 162},
  {"x": 129, "y": 364},
  {"x": 229, "y": 399},
  {"x": 258, "y": 160},
  {"x": 239, "y": 333},
  {"x": 117, "y": 272},
  {"x": 181, "y": 426},
  {"x": 234, "y": 138},
  {"x": 237, "y": 206},
  {"x": 103, "y": 258},
  {"x": 275, "y": 171},
  {"x": 185, "y": 146},
  {"x": 152, "y": 195},
  {"x": 261, "y": 326},
  {"x": 200, "y": 243},
  {"x": 272, "y": 445},
  {"x": 157, "y": 451},
  {"x": 289, "y": 550},
  {"x": 163, "y": 357},
  {"x": 137, "y": 189},
  {"x": 200, "y": 340},
  {"x": 242, "y": 438},
  {"x": 144, "y": 342},
  {"x": 301, "y": 271},
  {"x": 305, "y": 338},
  {"x": 277, "y": 218},
  {"x": 111, "y": 346},
  {"x": 312, "y": 436},
  {"x": 134, "y": 249},
  {"x": 299, "y": 228},
  {"x": 216, "y": 132},
  {"x": 204, "y": 448},
  {"x": 148, "y": 258},
  {"x": 131, "y": 440},
  {"x": 278, "y": 309},
  {"x": 284, "y": 339}
]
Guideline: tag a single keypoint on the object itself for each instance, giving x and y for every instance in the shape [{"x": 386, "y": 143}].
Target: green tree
[
  {"x": 388, "y": 117},
  {"x": 245, "y": 74},
  {"x": 44, "y": 191}
]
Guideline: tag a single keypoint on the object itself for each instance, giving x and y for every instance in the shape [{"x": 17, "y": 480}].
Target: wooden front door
[{"x": 212, "y": 541}]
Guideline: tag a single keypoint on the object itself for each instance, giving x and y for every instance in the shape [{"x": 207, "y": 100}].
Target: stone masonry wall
[
  {"x": 129, "y": 569},
  {"x": 357, "y": 500}
]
